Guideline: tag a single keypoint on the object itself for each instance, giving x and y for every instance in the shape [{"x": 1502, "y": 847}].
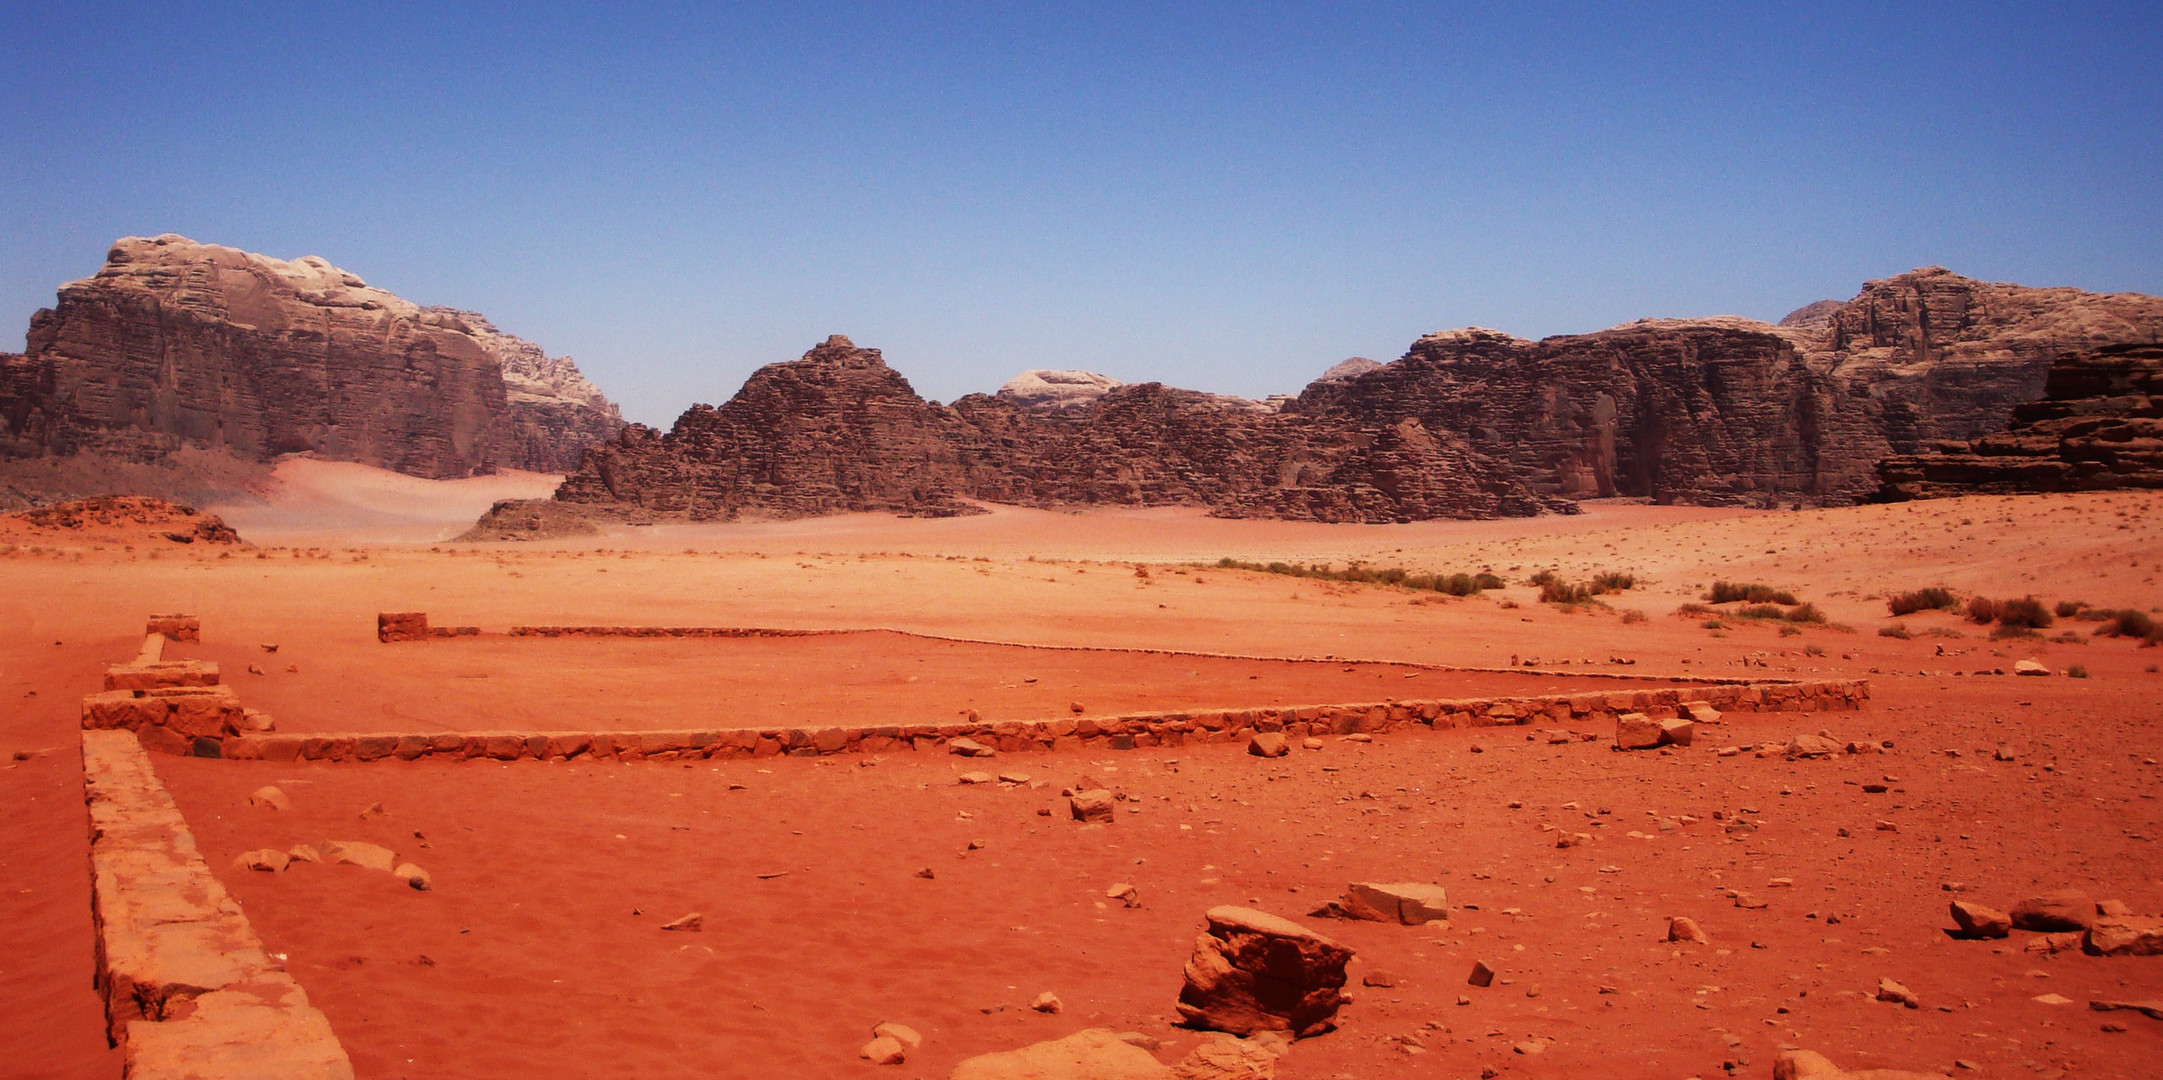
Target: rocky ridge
[
  {"x": 2098, "y": 427},
  {"x": 175, "y": 344}
]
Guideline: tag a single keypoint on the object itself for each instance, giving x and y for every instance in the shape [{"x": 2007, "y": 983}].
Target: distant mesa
[
  {"x": 175, "y": 346},
  {"x": 1043, "y": 388}
]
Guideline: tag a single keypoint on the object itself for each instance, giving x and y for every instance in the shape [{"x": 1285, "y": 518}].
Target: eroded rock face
[
  {"x": 1727, "y": 410},
  {"x": 177, "y": 344},
  {"x": 1047, "y": 389},
  {"x": 838, "y": 430},
  {"x": 2098, "y": 426}
]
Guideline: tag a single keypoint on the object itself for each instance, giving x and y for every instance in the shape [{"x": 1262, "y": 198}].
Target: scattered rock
[
  {"x": 1811, "y": 746},
  {"x": 1677, "y": 732},
  {"x": 1379, "y": 978},
  {"x": 975, "y": 778},
  {"x": 268, "y": 797},
  {"x": 1702, "y": 712},
  {"x": 2152, "y": 1009},
  {"x": 1252, "y": 971},
  {"x": 884, "y": 1050},
  {"x": 1977, "y": 921},
  {"x": 1482, "y": 975},
  {"x": 1124, "y": 893},
  {"x": 2125, "y": 935},
  {"x": 2030, "y": 667},
  {"x": 1268, "y": 744},
  {"x": 1636, "y": 731},
  {"x": 2052, "y": 999},
  {"x": 1009, "y": 776},
  {"x": 901, "y": 1033},
  {"x": 694, "y": 923},
  {"x": 270, "y": 859},
  {"x": 1311, "y": 743},
  {"x": 415, "y": 878},
  {"x": 1408, "y": 903},
  {"x": 305, "y": 853},
  {"x": 966, "y": 747},
  {"x": 1684, "y": 928},
  {"x": 1089, "y": 1054},
  {"x": 1094, "y": 806},
  {"x": 1047, "y": 1002},
  {"x": 1888, "y": 990},
  {"x": 2063, "y": 911},
  {"x": 356, "y": 853}
]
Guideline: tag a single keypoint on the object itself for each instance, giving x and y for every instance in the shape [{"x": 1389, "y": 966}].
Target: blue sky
[{"x": 1229, "y": 197}]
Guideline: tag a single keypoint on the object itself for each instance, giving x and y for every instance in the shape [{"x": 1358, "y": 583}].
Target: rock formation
[
  {"x": 1042, "y": 388},
  {"x": 2099, "y": 426},
  {"x": 839, "y": 430},
  {"x": 175, "y": 344},
  {"x": 1727, "y": 410}
]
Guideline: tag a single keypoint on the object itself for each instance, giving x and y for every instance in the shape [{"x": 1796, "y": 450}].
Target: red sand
[
  {"x": 824, "y": 956},
  {"x": 873, "y": 677}
]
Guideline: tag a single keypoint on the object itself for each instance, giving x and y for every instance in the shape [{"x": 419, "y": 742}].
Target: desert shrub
[
  {"x": 1930, "y": 599},
  {"x": 2128, "y": 622},
  {"x": 1543, "y": 578},
  {"x": 1791, "y": 630},
  {"x": 1693, "y": 608},
  {"x": 2076, "y": 671},
  {"x": 2069, "y": 638},
  {"x": 2005, "y": 633},
  {"x": 1805, "y": 613},
  {"x": 1895, "y": 630},
  {"x": 2026, "y": 611},
  {"x": 1942, "y": 631},
  {"x": 2067, "y": 609},
  {"x": 1562, "y": 592},
  {"x": 1727, "y": 592},
  {"x": 1713, "y": 624},
  {"x": 1633, "y": 616},
  {"x": 1760, "y": 611},
  {"x": 1982, "y": 610},
  {"x": 1813, "y": 650},
  {"x": 1612, "y": 581},
  {"x": 1451, "y": 584}
]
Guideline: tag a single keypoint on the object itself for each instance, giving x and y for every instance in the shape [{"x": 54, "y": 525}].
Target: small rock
[
  {"x": 1811, "y": 746},
  {"x": 884, "y": 1050},
  {"x": 1529, "y": 1048},
  {"x": 1093, "y": 806},
  {"x": 2052, "y": 999},
  {"x": 1268, "y": 744},
  {"x": 305, "y": 853},
  {"x": 1311, "y": 744},
  {"x": 1684, "y": 928},
  {"x": 415, "y": 878},
  {"x": 1482, "y": 975},
  {"x": 1125, "y": 894},
  {"x": 1047, "y": 1002},
  {"x": 356, "y": 853},
  {"x": 373, "y": 810},
  {"x": 969, "y": 748},
  {"x": 1408, "y": 903},
  {"x": 694, "y": 923},
  {"x": 1636, "y": 731},
  {"x": 270, "y": 859},
  {"x": 1977, "y": 921},
  {"x": 268, "y": 797},
  {"x": 975, "y": 778},
  {"x": 901, "y": 1033},
  {"x": 1888, "y": 990},
  {"x": 2030, "y": 667},
  {"x": 268, "y": 646},
  {"x": 256, "y": 669},
  {"x": 2112, "y": 908},
  {"x": 1011, "y": 777},
  {"x": 1091, "y": 1052},
  {"x": 1677, "y": 732}
]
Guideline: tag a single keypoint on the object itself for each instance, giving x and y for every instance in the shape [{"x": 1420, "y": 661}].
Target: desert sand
[{"x": 538, "y": 951}]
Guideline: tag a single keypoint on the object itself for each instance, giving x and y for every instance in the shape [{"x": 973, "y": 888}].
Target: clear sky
[{"x": 1229, "y": 197}]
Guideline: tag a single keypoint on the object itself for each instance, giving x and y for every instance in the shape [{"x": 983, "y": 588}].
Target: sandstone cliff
[
  {"x": 2098, "y": 427},
  {"x": 175, "y": 344},
  {"x": 1731, "y": 410}
]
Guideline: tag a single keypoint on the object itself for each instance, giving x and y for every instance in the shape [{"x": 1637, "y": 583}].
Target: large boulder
[
  {"x": 2063, "y": 911},
  {"x": 1252, "y": 971},
  {"x": 2125, "y": 935},
  {"x": 1410, "y": 903}
]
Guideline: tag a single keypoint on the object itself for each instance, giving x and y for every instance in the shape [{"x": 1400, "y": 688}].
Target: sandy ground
[{"x": 527, "y": 860}]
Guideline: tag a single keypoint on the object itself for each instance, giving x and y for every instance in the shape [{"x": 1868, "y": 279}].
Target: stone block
[
  {"x": 1409, "y": 903},
  {"x": 394, "y": 626},
  {"x": 1252, "y": 971}
]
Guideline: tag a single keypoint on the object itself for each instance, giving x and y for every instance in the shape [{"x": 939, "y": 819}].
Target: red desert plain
[{"x": 615, "y": 895}]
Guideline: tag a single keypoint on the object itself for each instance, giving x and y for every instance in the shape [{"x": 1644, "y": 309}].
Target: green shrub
[{"x": 1930, "y": 599}]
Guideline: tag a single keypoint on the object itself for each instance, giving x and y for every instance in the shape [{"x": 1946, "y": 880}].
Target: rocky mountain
[
  {"x": 839, "y": 430},
  {"x": 175, "y": 345},
  {"x": 1727, "y": 410},
  {"x": 1042, "y": 387},
  {"x": 2098, "y": 427}
]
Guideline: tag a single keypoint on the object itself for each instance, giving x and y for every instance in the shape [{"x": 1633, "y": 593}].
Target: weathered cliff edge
[
  {"x": 175, "y": 345},
  {"x": 2098, "y": 427}
]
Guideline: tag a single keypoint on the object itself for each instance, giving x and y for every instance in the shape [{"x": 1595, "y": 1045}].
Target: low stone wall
[
  {"x": 670, "y": 632},
  {"x": 1012, "y": 736},
  {"x": 189, "y": 991}
]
